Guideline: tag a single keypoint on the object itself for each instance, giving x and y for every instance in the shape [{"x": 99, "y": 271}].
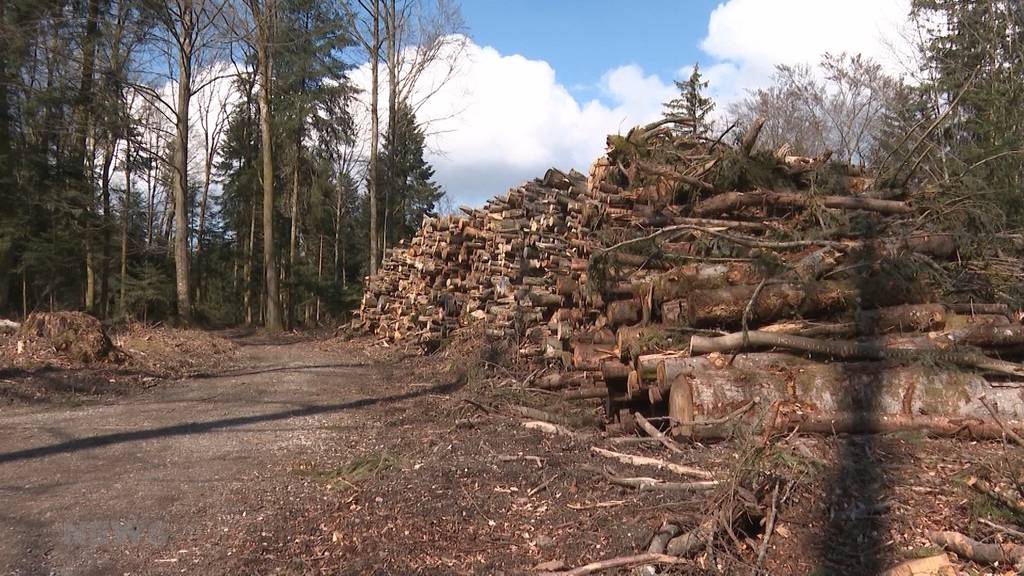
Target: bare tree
[
  {"x": 364, "y": 19},
  {"x": 260, "y": 38},
  {"x": 189, "y": 28},
  {"x": 213, "y": 117},
  {"x": 840, "y": 106}
]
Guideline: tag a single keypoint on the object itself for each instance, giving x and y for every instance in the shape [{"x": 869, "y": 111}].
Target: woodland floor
[{"x": 311, "y": 456}]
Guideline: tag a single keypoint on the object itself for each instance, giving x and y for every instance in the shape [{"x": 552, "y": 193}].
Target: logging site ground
[{"x": 308, "y": 454}]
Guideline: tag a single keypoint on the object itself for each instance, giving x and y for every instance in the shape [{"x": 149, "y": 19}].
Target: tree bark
[
  {"x": 182, "y": 252},
  {"x": 265, "y": 67},
  {"x": 730, "y": 201},
  {"x": 126, "y": 204},
  {"x": 833, "y": 391},
  {"x": 374, "y": 137},
  {"x": 726, "y": 306},
  {"x": 292, "y": 241},
  {"x": 108, "y": 160}
]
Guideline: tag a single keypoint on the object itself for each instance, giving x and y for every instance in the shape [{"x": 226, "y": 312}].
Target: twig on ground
[
  {"x": 1001, "y": 528},
  {"x": 643, "y": 483},
  {"x": 657, "y": 434},
  {"x": 516, "y": 457},
  {"x": 542, "y": 485},
  {"x": 619, "y": 562},
  {"x": 634, "y": 460},
  {"x": 608, "y": 504},
  {"x": 769, "y": 528}
]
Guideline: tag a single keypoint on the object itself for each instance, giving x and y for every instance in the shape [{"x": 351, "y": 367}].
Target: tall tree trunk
[
  {"x": 264, "y": 65},
  {"x": 150, "y": 205},
  {"x": 374, "y": 137},
  {"x": 108, "y": 160},
  {"x": 250, "y": 254},
  {"x": 391, "y": 33},
  {"x": 180, "y": 175},
  {"x": 126, "y": 204},
  {"x": 319, "y": 275},
  {"x": 292, "y": 240},
  {"x": 338, "y": 226},
  {"x": 201, "y": 232},
  {"x": 90, "y": 278},
  {"x": 83, "y": 121}
]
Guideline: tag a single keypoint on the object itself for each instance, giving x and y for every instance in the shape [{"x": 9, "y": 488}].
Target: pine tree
[
  {"x": 406, "y": 177},
  {"x": 692, "y": 106}
]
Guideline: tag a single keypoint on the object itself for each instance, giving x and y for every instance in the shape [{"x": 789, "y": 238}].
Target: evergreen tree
[
  {"x": 406, "y": 177},
  {"x": 692, "y": 106},
  {"x": 977, "y": 48}
]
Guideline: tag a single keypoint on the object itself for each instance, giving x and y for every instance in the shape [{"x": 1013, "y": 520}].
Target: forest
[{"x": 201, "y": 161}]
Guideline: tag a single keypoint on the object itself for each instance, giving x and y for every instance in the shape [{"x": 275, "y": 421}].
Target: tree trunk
[
  {"x": 108, "y": 160},
  {"x": 337, "y": 236},
  {"x": 264, "y": 65},
  {"x": 180, "y": 173},
  {"x": 125, "y": 221},
  {"x": 374, "y": 137},
  {"x": 292, "y": 241},
  {"x": 83, "y": 121},
  {"x": 201, "y": 232},
  {"x": 250, "y": 255},
  {"x": 726, "y": 306},
  {"x": 730, "y": 201},
  {"x": 823, "y": 391},
  {"x": 319, "y": 275}
]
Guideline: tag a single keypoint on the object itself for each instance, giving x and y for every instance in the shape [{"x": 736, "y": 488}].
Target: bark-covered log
[
  {"x": 898, "y": 348},
  {"x": 719, "y": 387},
  {"x": 731, "y": 201},
  {"x": 624, "y": 312},
  {"x": 726, "y": 306}
]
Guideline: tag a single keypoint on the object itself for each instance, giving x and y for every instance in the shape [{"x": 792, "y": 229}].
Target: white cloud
[
  {"x": 747, "y": 38},
  {"x": 502, "y": 119}
]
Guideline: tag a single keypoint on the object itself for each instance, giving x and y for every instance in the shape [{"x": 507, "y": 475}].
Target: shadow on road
[{"x": 190, "y": 428}]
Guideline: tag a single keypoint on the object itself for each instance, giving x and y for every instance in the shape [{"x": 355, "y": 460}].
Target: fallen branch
[
  {"x": 657, "y": 434},
  {"x": 642, "y": 483},
  {"x": 849, "y": 349},
  {"x": 634, "y": 460},
  {"x": 996, "y": 494},
  {"x": 729, "y": 201},
  {"x": 619, "y": 562},
  {"x": 975, "y": 551},
  {"x": 658, "y": 544}
]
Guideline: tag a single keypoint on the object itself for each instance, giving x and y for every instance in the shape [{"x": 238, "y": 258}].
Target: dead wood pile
[
  {"x": 697, "y": 279},
  {"x": 74, "y": 335}
]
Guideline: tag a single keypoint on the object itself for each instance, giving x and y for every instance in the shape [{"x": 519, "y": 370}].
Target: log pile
[{"x": 696, "y": 279}]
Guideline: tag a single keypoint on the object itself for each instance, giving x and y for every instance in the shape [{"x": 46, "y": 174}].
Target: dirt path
[{"x": 131, "y": 485}]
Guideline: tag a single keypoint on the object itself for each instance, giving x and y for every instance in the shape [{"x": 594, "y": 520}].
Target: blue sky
[
  {"x": 541, "y": 83},
  {"x": 583, "y": 39}
]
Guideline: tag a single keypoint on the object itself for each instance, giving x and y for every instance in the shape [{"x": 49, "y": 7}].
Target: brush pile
[{"x": 698, "y": 279}]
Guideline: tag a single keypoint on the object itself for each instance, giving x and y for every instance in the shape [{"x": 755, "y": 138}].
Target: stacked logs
[
  {"x": 690, "y": 278},
  {"x": 509, "y": 265}
]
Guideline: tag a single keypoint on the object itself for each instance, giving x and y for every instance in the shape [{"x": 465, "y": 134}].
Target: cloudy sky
[{"x": 543, "y": 82}]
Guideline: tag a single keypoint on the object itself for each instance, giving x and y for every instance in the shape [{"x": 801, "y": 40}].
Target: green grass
[{"x": 359, "y": 470}]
